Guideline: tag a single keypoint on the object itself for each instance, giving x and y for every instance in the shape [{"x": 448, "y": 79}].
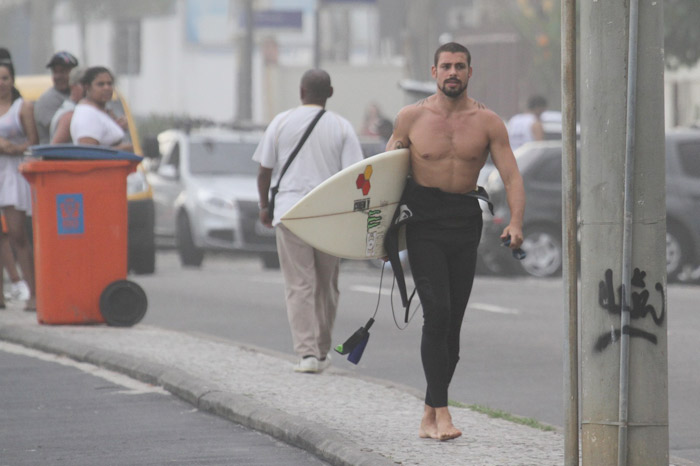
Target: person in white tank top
[
  {"x": 526, "y": 127},
  {"x": 92, "y": 123},
  {"x": 17, "y": 133}
]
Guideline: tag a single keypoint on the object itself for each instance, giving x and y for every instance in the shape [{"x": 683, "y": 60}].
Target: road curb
[{"x": 291, "y": 429}]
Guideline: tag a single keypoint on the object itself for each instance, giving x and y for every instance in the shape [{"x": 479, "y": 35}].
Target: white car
[{"x": 205, "y": 194}]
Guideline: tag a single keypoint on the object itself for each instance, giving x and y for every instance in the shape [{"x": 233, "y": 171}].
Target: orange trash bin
[{"x": 80, "y": 235}]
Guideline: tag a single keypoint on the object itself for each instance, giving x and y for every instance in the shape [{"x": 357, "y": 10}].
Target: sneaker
[
  {"x": 308, "y": 365},
  {"x": 19, "y": 291},
  {"x": 324, "y": 363}
]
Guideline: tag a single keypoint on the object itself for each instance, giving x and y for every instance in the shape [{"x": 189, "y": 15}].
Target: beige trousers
[{"x": 311, "y": 290}]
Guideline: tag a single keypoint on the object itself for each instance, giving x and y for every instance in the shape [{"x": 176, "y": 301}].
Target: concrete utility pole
[
  {"x": 245, "y": 67},
  {"x": 624, "y": 363}
]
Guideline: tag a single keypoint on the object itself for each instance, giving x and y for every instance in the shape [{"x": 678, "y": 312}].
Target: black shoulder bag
[{"x": 274, "y": 189}]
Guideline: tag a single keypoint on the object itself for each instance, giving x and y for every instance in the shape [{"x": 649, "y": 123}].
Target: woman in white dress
[
  {"x": 92, "y": 123},
  {"x": 17, "y": 133}
]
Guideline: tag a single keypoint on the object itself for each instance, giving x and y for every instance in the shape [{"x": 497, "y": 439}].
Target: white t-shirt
[
  {"x": 91, "y": 122},
  {"x": 331, "y": 146},
  {"x": 520, "y": 129}
]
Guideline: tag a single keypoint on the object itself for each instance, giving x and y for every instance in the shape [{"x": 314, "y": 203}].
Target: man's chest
[{"x": 439, "y": 137}]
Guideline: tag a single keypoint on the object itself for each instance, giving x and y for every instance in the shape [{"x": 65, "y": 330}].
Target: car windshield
[{"x": 222, "y": 158}]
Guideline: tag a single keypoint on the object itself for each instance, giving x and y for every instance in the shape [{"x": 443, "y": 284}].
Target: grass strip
[{"x": 498, "y": 414}]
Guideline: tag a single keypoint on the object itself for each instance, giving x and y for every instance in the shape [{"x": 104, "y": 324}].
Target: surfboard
[{"x": 349, "y": 213}]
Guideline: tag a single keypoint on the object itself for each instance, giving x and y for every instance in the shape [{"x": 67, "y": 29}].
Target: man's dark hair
[
  {"x": 317, "y": 85},
  {"x": 453, "y": 47},
  {"x": 536, "y": 101}
]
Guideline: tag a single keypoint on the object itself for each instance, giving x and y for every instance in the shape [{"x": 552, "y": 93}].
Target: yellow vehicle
[{"x": 142, "y": 250}]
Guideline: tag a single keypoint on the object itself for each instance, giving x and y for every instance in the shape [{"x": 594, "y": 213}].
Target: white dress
[{"x": 14, "y": 188}]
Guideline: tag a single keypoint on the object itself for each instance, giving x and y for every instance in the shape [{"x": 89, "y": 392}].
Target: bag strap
[{"x": 298, "y": 147}]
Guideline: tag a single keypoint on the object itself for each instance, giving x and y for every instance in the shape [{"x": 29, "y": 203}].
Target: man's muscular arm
[
  {"x": 504, "y": 160},
  {"x": 399, "y": 138}
]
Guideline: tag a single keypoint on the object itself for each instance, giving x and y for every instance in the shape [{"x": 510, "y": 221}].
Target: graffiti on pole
[{"x": 639, "y": 308}]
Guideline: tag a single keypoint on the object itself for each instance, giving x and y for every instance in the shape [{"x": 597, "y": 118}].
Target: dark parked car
[{"x": 541, "y": 163}]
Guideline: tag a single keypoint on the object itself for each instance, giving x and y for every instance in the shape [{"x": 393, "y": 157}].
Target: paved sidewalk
[{"x": 342, "y": 419}]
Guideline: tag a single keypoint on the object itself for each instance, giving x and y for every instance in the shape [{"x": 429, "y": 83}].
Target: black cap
[{"x": 63, "y": 58}]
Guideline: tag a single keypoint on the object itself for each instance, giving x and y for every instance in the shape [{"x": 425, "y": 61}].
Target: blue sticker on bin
[{"x": 69, "y": 212}]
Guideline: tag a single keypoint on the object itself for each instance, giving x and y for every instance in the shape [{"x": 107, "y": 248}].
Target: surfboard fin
[{"x": 355, "y": 345}]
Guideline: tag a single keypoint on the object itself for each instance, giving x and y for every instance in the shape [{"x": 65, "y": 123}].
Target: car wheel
[
  {"x": 271, "y": 260},
  {"x": 490, "y": 262},
  {"x": 190, "y": 255},
  {"x": 142, "y": 260},
  {"x": 544, "y": 251},
  {"x": 676, "y": 254}
]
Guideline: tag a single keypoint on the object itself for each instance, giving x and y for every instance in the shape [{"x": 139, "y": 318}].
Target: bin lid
[{"x": 81, "y": 152}]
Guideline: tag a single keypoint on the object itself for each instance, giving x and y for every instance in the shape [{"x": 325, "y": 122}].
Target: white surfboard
[{"x": 348, "y": 214}]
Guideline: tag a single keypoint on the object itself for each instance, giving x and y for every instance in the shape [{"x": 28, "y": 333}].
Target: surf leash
[
  {"x": 408, "y": 317},
  {"x": 354, "y": 346}
]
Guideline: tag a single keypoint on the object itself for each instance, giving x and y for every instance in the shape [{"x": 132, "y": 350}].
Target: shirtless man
[{"x": 449, "y": 135}]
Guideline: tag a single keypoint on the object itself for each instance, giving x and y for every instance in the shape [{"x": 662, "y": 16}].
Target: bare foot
[
  {"x": 428, "y": 426},
  {"x": 445, "y": 429}
]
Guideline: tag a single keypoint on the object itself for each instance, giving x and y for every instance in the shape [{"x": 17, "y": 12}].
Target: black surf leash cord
[{"x": 393, "y": 311}]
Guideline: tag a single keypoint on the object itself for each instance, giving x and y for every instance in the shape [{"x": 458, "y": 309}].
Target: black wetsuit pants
[{"x": 442, "y": 255}]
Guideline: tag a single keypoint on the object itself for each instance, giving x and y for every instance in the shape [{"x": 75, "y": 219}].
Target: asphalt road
[
  {"x": 512, "y": 339},
  {"x": 56, "y": 411}
]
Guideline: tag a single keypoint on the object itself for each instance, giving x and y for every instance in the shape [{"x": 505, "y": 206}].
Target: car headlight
[
  {"x": 215, "y": 202},
  {"x": 136, "y": 183}
]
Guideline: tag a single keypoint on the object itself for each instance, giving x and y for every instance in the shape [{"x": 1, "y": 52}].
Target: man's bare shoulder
[
  {"x": 490, "y": 117},
  {"x": 417, "y": 108}
]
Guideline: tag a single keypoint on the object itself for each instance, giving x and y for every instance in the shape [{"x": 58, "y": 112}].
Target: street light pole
[
  {"x": 570, "y": 237},
  {"x": 245, "y": 67},
  {"x": 317, "y": 34}
]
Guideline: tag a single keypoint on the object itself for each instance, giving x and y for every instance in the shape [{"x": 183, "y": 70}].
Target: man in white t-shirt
[
  {"x": 526, "y": 127},
  {"x": 310, "y": 276}
]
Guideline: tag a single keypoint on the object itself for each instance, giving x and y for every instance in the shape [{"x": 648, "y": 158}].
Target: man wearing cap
[{"x": 60, "y": 64}]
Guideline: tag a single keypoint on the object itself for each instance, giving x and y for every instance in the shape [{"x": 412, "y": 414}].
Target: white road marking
[
  {"x": 492, "y": 308},
  {"x": 473, "y": 306},
  {"x": 270, "y": 279},
  {"x": 134, "y": 387}
]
